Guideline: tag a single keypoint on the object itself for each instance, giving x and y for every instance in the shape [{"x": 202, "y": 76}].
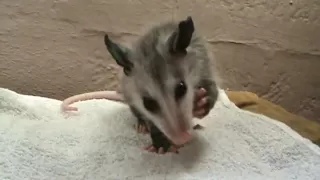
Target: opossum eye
[
  {"x": 150, "y": 104},
  {"x": 180, "y": 90}
]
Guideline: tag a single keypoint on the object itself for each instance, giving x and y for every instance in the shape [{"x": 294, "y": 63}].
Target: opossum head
[{"x": 156, "y": 77}]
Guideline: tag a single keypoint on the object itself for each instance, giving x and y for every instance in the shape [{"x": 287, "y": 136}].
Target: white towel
[{"x": 98, "y": 142}]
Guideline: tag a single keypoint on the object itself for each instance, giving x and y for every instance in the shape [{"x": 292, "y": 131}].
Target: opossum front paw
[
  {"x": 161, "y": 150},
  {"x": 202, "y": 104}
]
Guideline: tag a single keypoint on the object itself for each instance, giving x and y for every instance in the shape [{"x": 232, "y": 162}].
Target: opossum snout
[
  {"x": 176, "y": 124},
  {"x": 183, "y": 122},
  {"x": 181, "y": 138},
  {"x": 183, "y": 125},
  {"x": 179, "y": 134}
]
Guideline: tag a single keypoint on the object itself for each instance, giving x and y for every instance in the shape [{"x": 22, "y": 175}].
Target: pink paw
[{"x": 200, "y": 110}]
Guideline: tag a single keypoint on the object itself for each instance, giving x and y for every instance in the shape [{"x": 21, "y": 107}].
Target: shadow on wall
[{"x": 55, "y": 48}]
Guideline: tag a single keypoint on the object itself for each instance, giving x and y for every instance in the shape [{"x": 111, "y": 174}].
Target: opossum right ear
[
  {"x": 181, "y": 38},
  {"x": 119, "y": 55}
]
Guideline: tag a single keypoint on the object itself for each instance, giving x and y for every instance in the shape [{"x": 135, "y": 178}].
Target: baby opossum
[{"x": 161, "y": 73}]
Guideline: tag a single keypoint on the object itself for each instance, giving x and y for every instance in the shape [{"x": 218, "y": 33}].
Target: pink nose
[{"x": 182, "y": 138}]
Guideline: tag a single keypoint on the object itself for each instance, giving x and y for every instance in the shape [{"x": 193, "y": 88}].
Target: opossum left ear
[
  {"x": 181, "y": 38},
  {"x": 119, "y": 55}
]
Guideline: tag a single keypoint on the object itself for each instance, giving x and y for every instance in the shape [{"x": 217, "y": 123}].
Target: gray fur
[{"x": 156, "y": 72}]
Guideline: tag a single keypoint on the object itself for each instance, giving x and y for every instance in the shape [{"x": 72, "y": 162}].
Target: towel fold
[{"x": 38, "y": 141}]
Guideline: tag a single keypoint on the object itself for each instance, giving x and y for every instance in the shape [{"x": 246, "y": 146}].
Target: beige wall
[{"x": 55, "y": 48}]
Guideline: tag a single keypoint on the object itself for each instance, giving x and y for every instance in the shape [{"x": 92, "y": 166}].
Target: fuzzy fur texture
[{"x": 153, "y": 70}]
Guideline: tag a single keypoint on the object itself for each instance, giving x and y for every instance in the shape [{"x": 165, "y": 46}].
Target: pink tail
[{"x": 110, "y": 95}]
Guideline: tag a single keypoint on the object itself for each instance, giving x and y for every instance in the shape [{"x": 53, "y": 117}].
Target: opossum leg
[
  {"x": 160, "y": 143},
  {"x": 141, "y": 125},
  {"x": 209, "y": 100}
]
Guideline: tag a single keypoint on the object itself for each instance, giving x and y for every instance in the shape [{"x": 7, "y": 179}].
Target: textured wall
[{"x": 55, "y": 48}]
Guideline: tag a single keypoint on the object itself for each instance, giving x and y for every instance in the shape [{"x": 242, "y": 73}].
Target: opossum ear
[
  {"x": 181, "y": 38},
  {"x": 119, "y": 55}
]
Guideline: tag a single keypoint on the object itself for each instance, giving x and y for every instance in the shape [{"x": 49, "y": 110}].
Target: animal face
[
  {"x": 163, "y": 95},
  {"x": 157, "y": 80}
]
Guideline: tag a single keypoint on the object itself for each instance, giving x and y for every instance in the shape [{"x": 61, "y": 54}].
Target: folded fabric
[
  {"x": 249, "y": 101},
  {"x": 38, "y": 141}
]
